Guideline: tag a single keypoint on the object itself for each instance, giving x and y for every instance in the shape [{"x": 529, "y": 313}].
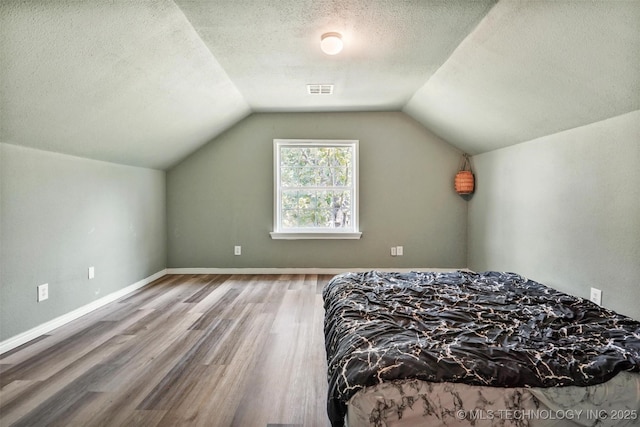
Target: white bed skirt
[{"x": 413, "y": 403}]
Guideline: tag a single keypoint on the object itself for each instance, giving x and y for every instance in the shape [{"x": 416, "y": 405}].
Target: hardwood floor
[{"x": 196, "y": 350}]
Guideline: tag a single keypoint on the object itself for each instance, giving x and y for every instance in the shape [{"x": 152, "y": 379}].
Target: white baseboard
[
  {"x": 310, "y": 270},
  {"x": 46, "y": 327}
]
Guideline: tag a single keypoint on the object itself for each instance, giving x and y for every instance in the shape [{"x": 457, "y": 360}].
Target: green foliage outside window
[{"x": 316, "y": 186}]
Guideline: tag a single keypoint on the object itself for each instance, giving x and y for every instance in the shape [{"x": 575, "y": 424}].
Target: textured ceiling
[
  {"x": 535, "y": 68},
  {"x": 391, "y": 48},
  {"x": 127, "y": 81},
  {"x": 148, "y": 82}
]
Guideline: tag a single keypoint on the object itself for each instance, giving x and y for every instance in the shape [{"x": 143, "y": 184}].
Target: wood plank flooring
[{"x": 186, "y": 350}]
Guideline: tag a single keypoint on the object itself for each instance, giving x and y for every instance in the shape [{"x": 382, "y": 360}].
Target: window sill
[{"x": 277, "y": 235}]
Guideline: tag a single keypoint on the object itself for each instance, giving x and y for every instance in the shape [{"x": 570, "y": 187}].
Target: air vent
[{"x": 317, "y": 89}]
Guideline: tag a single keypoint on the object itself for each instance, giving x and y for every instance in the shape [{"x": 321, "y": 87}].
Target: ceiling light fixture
[{"x": 331, "y": 43}]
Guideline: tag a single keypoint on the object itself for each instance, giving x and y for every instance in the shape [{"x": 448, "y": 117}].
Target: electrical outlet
[
  {"x": 399, "y": 250},
  {"x": 92, "y": 272},
  {"x": 43, "y": 292},
  {"x": 394, "y": 251},
  {"x": 596, "y": 296},
  {"x": 237, "y": 250}
]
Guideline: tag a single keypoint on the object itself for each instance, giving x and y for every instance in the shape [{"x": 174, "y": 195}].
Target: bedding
[
  {"x": 411, "y": 403},
  {"x": 478, "y": 329}
]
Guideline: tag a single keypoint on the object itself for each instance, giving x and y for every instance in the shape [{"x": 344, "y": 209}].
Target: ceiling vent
[{"x": 320, "y": 89}]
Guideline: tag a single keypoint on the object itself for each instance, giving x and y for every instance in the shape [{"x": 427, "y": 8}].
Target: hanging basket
[{"x": 464, "y": 182}]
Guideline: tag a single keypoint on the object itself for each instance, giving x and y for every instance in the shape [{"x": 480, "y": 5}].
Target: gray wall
[
  {"x": 62, "y": 214},
  {"x": 222, "y": 196},
  {"x": 564, "y": 210}
]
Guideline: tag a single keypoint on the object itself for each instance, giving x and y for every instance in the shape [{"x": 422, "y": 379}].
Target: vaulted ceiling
[{"x": 148, "y": 82}]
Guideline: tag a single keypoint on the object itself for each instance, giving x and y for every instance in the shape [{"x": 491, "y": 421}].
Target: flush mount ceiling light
[{"x": 331, "y": 43}]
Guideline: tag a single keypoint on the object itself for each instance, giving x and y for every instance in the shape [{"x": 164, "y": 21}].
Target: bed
[{"x": 477, "y": 349}]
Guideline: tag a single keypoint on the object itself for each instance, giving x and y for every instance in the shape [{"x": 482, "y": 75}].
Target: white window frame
[{"x": 304, "y": 233}]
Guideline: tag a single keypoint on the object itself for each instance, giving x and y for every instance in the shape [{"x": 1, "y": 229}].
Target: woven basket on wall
[{"x": 464, "y": 182}]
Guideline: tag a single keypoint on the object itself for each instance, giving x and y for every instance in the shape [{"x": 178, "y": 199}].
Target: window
[{"x": 316, "y": 189}]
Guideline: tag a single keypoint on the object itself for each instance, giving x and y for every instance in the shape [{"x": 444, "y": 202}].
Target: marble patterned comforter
[
  {"x": 413, "y": 403},
  {"x": 487, "y": 329}
]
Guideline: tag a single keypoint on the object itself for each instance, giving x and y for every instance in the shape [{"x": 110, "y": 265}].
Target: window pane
[
  {"x": 323, "y": 209},
  {"x": 337, "y": 176},
  {"x": 293, "y": 199},
  {"x": 338, "y": 204},
  {"x": 286, "y": 175},
  {"x": 324, "y": 218},
  {"x": 298, "y": 218},
  {"x": 336, "y": 199},
  {"x": 315, "y": 166}
]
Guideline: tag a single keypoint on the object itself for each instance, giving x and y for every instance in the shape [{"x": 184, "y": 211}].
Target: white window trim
[{"x": 306, "y": 234}]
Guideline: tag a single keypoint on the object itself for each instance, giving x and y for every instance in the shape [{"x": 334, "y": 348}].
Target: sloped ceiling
[
  {"x": 535, "y": 68},
  {"x": 127, "y": 81},
  {"x": 147, "y": 82}
]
